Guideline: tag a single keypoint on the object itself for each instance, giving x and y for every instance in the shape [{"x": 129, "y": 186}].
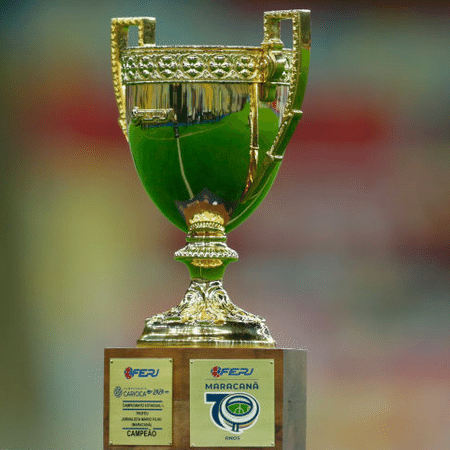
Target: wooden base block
[{"x": 164, "y": 379}]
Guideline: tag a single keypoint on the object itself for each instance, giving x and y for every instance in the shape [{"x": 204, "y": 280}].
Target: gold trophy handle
[
  {"x": 301, "y": 42},
  {"x": 119, "y": 42},
  {"x": 274, "y": 62}
]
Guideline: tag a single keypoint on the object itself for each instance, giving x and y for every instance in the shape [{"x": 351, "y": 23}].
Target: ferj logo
[
  {"x": 217, "y": 371},
  {"x": 142, "y": 373},
  {"x": 233, "y": 412}
]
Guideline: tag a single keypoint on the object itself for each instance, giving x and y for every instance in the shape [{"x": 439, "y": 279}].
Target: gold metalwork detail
[
  {"x": 301, "y": 39},
  {"x": 207, "y": 216},
  {"x": 204, "y": 219},
  {"x": 119, "y": 43},
  {"x": 201, "y": 250},
  {"x": 206, "y": 263},
  {"x": 191, "y": 64},
  {"x": 152, "y": 116},
  {"x": 294, "y": 66},
  {"x": 206, "y": 317},
  {"x": 285, "y": 77},
  {"x": 254, "y": 132}
]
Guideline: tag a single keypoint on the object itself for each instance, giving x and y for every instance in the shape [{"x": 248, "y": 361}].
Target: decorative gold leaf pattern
[{"x": 186, "y": 65}]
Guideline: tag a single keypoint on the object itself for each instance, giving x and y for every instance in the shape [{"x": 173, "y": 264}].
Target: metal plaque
[
  {"x": 140, "y": 399},
  {"x": 232, "y": 403}
]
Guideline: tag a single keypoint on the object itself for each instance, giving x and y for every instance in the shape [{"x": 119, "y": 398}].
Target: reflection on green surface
[
  {"x": 214, "y": 155},
  {"x": 268, "y": 123}
]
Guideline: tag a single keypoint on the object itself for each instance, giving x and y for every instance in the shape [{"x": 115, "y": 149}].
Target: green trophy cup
[{"x": 208, "y": 127}]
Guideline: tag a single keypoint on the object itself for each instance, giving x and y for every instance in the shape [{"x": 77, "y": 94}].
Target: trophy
[{"x": 207, "y": 127}]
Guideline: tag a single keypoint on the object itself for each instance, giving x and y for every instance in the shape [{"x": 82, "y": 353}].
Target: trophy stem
[{"x": 206, "y": 317}]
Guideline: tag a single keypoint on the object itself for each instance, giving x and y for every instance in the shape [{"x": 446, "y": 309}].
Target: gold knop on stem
[{"x": 204, "y": 219}]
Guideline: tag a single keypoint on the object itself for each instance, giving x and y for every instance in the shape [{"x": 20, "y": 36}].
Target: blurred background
[{"x": 348, "y": 257}]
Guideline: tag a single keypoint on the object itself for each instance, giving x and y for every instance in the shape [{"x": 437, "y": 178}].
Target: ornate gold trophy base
[{"x": 206, "y": 317}]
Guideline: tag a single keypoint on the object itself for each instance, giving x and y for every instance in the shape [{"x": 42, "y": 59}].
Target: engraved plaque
[
  {"x": 140, "y": 401},
  {"x": 232, "y": 403}
]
